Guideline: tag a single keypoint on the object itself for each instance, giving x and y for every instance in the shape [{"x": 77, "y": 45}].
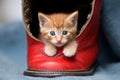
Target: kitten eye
[
  {"x": 52, "y": 33},
  {"x": 64, "y": 32}
]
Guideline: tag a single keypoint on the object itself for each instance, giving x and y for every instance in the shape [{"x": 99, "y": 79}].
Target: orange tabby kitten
[{"x": 58, "y": 30}]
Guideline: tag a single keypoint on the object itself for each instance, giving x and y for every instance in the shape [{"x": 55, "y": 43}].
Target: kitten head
[{"x": 58, "y": 29}]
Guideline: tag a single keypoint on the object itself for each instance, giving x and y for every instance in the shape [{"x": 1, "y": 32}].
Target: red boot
[{"x": 83, "y": 63}]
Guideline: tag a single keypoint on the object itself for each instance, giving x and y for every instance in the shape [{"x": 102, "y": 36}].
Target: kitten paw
[
  {"x": 70, "y": 50},
  {"x": 50, "y": 51}
]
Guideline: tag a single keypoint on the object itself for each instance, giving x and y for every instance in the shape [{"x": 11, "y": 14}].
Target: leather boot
[{"x": 83, "y": 63}]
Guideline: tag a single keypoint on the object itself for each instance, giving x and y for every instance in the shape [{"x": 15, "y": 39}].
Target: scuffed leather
[{"x": 85, "y": 57}]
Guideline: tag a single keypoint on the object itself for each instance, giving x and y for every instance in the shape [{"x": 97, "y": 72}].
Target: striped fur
[{"x": 64, "y": 29}]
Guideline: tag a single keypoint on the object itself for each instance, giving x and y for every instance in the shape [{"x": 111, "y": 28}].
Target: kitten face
[{"x": 58, "y": 29}]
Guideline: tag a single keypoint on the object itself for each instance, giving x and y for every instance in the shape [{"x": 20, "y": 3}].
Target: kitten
[{"x": 58, "y": 30}]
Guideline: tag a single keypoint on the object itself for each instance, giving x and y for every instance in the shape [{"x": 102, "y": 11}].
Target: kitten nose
[{"x": 59, "y": 41}]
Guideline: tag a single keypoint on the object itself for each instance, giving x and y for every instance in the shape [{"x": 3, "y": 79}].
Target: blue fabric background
[
  {"x": 13, "y": 48},
  {"x": 111, "y": 23}
]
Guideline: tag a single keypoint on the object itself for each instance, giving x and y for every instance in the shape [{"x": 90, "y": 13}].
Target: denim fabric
[{"x": 111, "y": 23}]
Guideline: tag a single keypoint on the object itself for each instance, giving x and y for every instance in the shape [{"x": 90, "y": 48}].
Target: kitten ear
[
  {"x": 73, "y": 18},
  {"x": 42, "y": 19}
]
